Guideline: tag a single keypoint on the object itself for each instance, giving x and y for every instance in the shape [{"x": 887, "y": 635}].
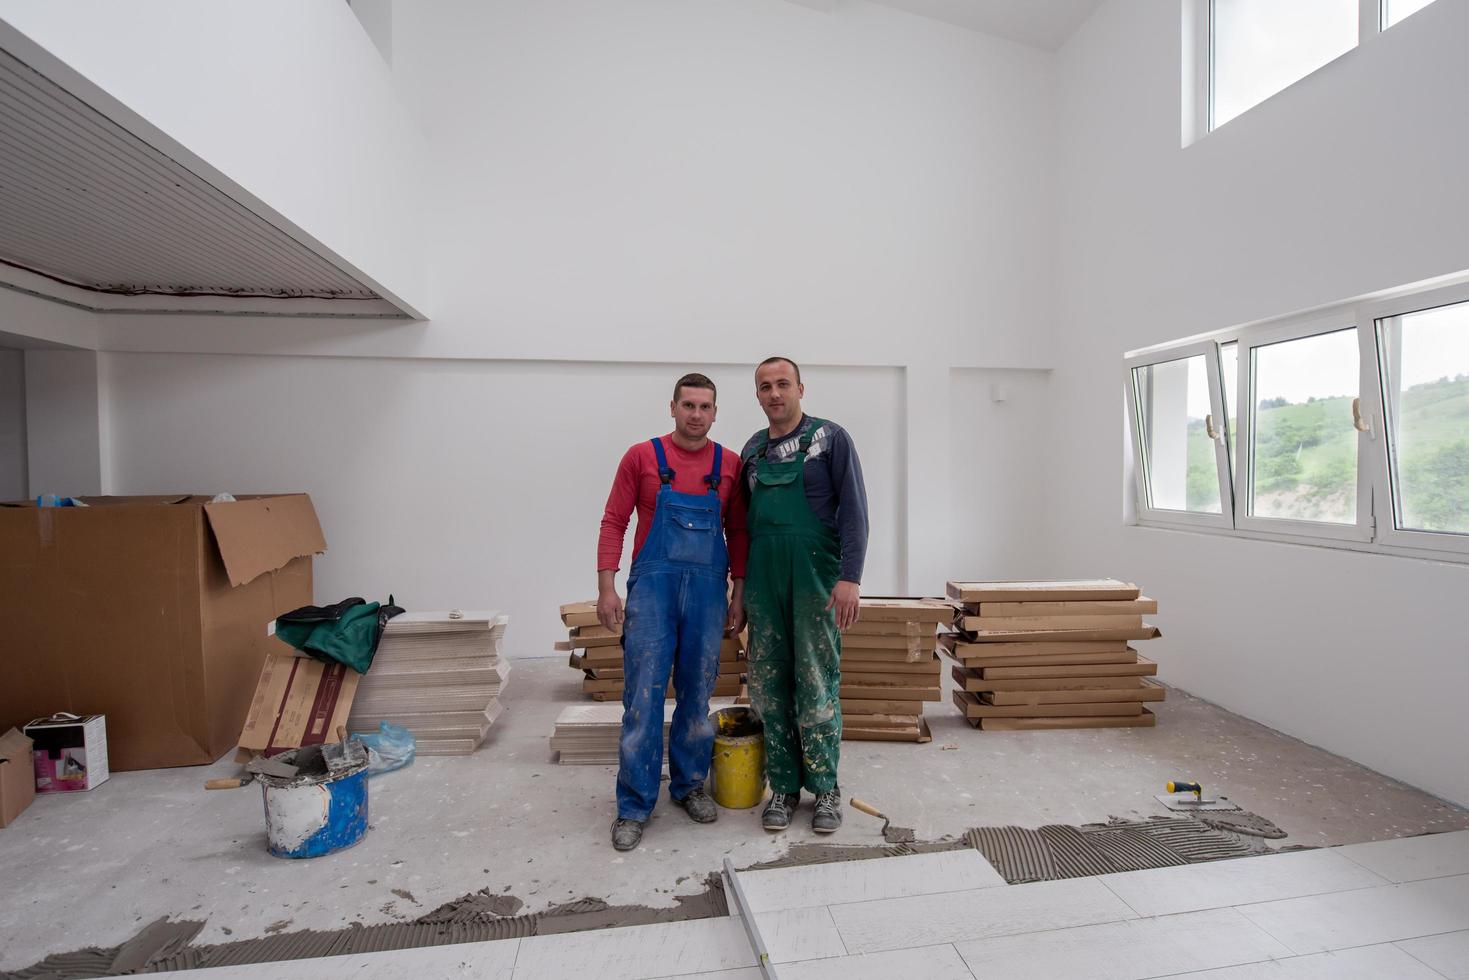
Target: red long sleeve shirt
[{"x": 636, "y": 484}]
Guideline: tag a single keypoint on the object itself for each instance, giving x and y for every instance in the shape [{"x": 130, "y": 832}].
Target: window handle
[
  {"x": 1213, "y": 433},
  {"x": 1358, "y": 422}
]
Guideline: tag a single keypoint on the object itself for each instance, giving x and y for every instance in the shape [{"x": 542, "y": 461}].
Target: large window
[
  {"x": 1425, "y": 356},
  {"x": 1261, "y": 46},
  {"x": 1177, "y": 431},
  {"x": 1350, "y": 426},
  {"x": 1395, "y": 10},
  {"x": 1239, "y": 53},
  {"x": 1303, "y": 444}
]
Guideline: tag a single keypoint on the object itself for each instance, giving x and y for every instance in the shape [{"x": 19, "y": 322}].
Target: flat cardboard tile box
[
  {"x": 70, "y": 752},
  {"x": 151, "y": 611},
  {"x": 17, "y": 775}
]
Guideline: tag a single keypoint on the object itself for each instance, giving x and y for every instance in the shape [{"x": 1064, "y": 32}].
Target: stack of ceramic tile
[
  {"x": 439, "y": 675},
  {"x": 587, "y": 734},
  {"x": 1038, "y": 655},
  {"x": 890, "y": 668},
  {"x": 597, "y": 652}
]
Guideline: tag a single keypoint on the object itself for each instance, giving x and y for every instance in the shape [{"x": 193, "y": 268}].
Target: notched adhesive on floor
[{"x": 1019, "y": 854}]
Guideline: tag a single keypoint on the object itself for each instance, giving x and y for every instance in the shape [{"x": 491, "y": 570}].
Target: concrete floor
[{"x": 91, "y": 869}]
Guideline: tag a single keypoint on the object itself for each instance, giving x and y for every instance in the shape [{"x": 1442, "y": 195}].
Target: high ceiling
[{"x": 1041, "y": 23}]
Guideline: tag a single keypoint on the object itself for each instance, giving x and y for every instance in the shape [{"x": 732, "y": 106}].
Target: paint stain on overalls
[
  {"x": 795, "y": 649},
  {"x": 676, "y": 607}
]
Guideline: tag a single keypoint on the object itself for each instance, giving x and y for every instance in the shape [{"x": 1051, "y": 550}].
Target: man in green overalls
[{"x": 808, "y": 541}]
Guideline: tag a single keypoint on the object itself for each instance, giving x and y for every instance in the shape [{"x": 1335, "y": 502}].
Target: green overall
[{"x": 794, "y": 646}]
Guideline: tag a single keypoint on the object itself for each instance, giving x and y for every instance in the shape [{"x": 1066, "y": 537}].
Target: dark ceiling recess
[{"x": 86, "y": 203}]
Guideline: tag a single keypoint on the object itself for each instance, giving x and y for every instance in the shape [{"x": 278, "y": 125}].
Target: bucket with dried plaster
[
  {"x": 315, "y": 813},
  {"x": 738, "y": 769}
]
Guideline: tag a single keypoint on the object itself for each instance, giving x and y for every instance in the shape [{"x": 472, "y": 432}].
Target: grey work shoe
[
  {"x": 700, "y": 806},
  {"x": 828, "y": 811},
  {"x": 777, "y": 815},
  {"x": 626, "y": 833}
]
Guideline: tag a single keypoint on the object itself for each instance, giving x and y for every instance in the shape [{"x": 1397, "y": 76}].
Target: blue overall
[{"x": 676, "y": 607}]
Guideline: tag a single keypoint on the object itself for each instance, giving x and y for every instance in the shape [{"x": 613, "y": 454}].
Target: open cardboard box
[{"x": 150, "y": 610}]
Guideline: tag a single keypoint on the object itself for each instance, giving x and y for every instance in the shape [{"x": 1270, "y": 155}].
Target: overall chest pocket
[
  {"x": 770, "y": 476},
  {"x": 694, "y": 535},
  {"x": 777, "y": 495},
  {"x": 691, "y": 519}
]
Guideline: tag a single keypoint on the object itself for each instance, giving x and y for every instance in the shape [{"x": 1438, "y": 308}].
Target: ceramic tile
[{"x": 926, "y": 920}]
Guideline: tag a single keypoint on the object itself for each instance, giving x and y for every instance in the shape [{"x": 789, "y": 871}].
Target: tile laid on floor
[
  {"x": 1413, "y": 858},
  {"x": 799, "y": 934},
  {"x": 1128, "y": 950},
  {"x": 927, "y": 920},
  {"x": 489, "y": 960},
  {"x": 634, "y": 952},
  {"x": 1366, "y": 916},
  {"x": 924, "y": 963},
  {"x": 1240, "y": 881},
  {"x": 860, "y": 881},
  {"x": 1384, "y": 962},
  {"x": 1447, "y": 953}
]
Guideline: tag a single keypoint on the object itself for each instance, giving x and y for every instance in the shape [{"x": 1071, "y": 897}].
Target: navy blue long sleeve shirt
[{"x": 834, "y": 486}]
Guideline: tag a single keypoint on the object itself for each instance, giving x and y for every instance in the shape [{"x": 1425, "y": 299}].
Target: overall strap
[
  {"x": 665, "y": 474},
  {"x": 712, "y": 480},
  {"x": 809, "y": 434}
]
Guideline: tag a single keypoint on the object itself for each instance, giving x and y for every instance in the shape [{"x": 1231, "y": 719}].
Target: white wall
[
  {"x": 729, "y": 178},
  {"x": 1348, "y": 182},
  {"x": 12, "y": 425},
  {"x": 288, "y": 100},
  {"x": 998, "y": 472},
  {"x": 455, "y": 482},
  {"x": 66, "y": 423},
  {"x": 649, "y": 187}
]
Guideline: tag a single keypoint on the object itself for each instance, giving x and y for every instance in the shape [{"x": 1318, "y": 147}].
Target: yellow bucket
[{"x": 738, "y": 770}]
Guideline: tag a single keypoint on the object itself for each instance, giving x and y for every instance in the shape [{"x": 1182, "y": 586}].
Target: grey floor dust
[{"x": 95, "y": 869}]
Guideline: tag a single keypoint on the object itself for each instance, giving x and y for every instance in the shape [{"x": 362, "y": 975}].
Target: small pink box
[{"x": 70, "y": 752}]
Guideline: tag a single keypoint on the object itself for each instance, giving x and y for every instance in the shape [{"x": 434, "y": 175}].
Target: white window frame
[
  {"x": 1244, "y": 450},
  {"x": 1378, "y": 316},
  {"x": 1159, "y": 515},
  {"x": 1376, "y": 530},
  {"x": 1197, "y": 19}
]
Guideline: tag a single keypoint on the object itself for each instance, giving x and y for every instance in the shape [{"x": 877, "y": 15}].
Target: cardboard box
[
  {"x": 971, "y": 707},
  {"x": 1145, "y": 720},
  {"x": 152, "y": 611},
  {"x": 1077, "y": 590},
  {"x": 903, "y": 609},
  {"x": 298, "y": 701},
  {"x": 1107, "y": 607},
  {"x": 17, "y": 775},
  {"x": 69, "y": 753}
]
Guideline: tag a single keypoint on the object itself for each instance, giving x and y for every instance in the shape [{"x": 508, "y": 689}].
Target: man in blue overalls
[{"x": 690, "y": 537}]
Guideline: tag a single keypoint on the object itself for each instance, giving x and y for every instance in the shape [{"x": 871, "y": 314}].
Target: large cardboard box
[
  {"x": 150, "y": 610},
  {"x": 17, "y": 776}
]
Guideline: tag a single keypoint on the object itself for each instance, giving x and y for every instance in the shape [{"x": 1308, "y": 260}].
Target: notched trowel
[
  {"x": 1187, "y": 797},
  {"x": 891, "y": 834}
]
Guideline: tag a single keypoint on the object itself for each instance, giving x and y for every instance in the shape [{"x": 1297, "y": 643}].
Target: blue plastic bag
[{"x": 390, "y": 747}]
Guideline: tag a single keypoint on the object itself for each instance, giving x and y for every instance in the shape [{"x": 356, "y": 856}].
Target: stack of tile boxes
[
  {"x": 439, "y": 675},
  {"x": 587, "y": 734},
  {"x": 890, "y": 668},
  {"x": 597, "y": 652},
  {"x": 1040, "y": 655}
]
